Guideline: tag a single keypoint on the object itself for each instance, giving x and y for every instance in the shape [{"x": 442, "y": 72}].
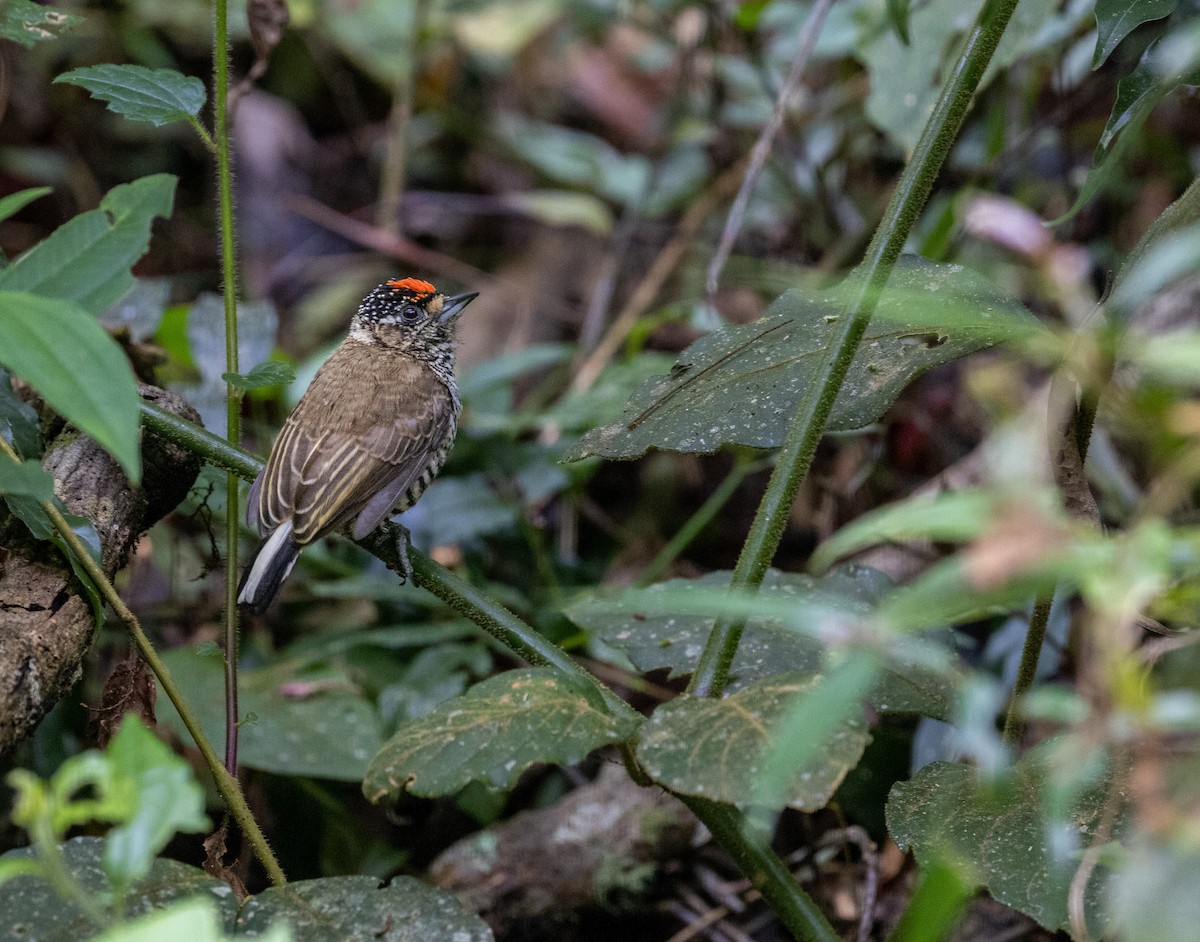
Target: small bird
[{"x": 367, "y": 437}]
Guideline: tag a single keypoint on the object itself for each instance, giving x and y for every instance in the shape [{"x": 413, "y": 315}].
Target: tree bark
[{"x": 46, "y": 621}]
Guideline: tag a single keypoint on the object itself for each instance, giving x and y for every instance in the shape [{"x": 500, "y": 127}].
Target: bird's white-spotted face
[{"x": 407, "y": 315}]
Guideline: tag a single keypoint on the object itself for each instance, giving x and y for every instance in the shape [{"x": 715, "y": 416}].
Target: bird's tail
[{"x": 267, "y": 570}]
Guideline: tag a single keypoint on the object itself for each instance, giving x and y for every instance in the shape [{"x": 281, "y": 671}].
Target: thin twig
[
  {"x": 762, "y": 147},
  {"x": 652, "y": 282}
]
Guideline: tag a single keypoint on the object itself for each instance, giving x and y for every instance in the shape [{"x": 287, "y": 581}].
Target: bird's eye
[{"x": 410, "y": 312}]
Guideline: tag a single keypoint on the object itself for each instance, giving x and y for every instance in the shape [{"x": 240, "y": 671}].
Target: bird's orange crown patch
[{"x": 415, "y": 285}]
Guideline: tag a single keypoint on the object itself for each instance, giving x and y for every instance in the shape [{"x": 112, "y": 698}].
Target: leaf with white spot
[
  {"x": 492, "y": 734},
  {"x": 741, "y": 385},
  {"x": 717, "y": 749},
  {"x": 1022, "y": 853}
]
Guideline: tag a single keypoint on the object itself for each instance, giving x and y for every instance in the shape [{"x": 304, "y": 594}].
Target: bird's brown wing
[{"x": 370, "y": 420}]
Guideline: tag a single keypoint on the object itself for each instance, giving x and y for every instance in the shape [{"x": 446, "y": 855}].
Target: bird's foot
[{"x": 399, "y": 535}]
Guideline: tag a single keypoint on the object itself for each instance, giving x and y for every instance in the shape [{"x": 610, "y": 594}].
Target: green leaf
[
  {"x": 267, "y": 373},
  {"x": 30, "y": 23},
  {"x": 318, "y": 724},
  {"x": 87, "y": 259},
  {"x": 1116, "y": 19},
  {"x": 630, "y": 622},
  {"x": 31, "y": 909},
  {"x": 30, "y": 513},
  {"x": 168, "y": 800},
  {"x": 18, "y": 420},
  {"x": 336, "y": 908},
  {"x": 716, "y": 749},
  {"x": 1138, "y": 94},
  {"x": 492, "y": 734},
  {"x": 742, "y": 384},
  {"x": 78, "y": 369},
  {"x": 812, "y": 725},
  {"x": 160, "y": 96},
  {"x": 15, "y": 202},
  {"x": 898, "y": 11},
  {"x": 28, "y": 478},
  {"x": 1021, "y": 853}
]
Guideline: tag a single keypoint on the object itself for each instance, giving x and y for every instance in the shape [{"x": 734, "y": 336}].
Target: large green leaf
[
  {"x": 742, "y": 384},
  {"x": 31, "y": 909},
  {"x": 1116, "y": 19},
  {"x": 159, "y": 96},
  {"x": 87, "y": 259},
  {"x": 28, "y": 23},
  {"x": 343, "y": 908},
  {"x": 632, "y": 622},
  {"x": 492, "y": 734},
  {"x": 328, "y": 910},
  {"x": 317, "y": 725},
  {"x": 64, "y": 353},
  {"x": 718, "y": 749},
  {"x": 1022, "y": 854}
]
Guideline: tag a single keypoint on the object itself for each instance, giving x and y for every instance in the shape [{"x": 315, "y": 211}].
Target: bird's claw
[{"x": 401, "y": 543}]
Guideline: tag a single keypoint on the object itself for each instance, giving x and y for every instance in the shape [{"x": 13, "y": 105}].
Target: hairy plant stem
[
  {"x": 808, "y": 424},
  {"x": 794, "y": 907},
  {"x": 227, "y": 784},
  {"x": 233, "y": 400}
]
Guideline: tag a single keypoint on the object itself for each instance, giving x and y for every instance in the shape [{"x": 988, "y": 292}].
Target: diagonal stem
[{"x": 808, "y": 424}]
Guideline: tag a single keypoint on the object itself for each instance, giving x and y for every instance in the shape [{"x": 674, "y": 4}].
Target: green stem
[
  {"x": 766, "y": 872},
  {"x": 227, "y": 784},
  {"x": 203, "y": 134},
  {"x": 778, "y": 886},
  {"x": 1031, "y": 652},
  {"x": 808, "y": 424},
  {"x": 232, "y": 395}
]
